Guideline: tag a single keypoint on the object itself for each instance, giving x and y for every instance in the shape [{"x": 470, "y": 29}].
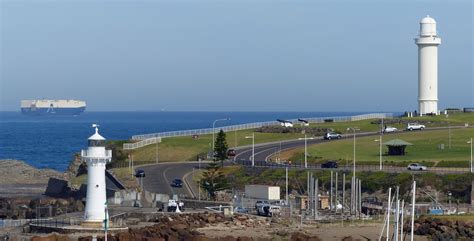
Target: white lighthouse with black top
[{"x": 96, "y": 157}]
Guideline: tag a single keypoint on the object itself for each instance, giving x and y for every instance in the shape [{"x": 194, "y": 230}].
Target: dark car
[
  {"x": 177, "y": 183},
  {"x": 140, "y": 173},
  {"x": 332, "y": 135},
  {"x": 329, "y": 164},
  {"x": 231, "y": 152}
]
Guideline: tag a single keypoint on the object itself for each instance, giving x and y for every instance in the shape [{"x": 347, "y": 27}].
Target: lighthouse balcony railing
[{"x": 96, "y": 154}]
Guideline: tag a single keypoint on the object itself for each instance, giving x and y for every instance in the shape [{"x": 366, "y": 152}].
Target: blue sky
[{"x": 231, "y": 55}]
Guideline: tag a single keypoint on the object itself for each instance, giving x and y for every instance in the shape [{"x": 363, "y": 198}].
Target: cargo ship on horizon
[{"x": 52, "y": 107}]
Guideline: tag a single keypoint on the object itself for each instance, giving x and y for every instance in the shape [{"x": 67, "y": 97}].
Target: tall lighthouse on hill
[
  {"x": 428, "y": 42},
  {"x": 96, "y": 157}
]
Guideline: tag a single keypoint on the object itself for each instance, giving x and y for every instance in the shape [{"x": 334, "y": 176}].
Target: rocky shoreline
[{"x": 22, "y": 180}]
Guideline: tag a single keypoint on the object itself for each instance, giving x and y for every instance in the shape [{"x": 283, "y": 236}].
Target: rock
[{"x": 282, "y": 232}]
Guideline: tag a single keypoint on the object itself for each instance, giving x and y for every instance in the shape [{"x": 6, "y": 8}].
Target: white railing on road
[
  {"x": 257, "y": 125},
  {"x": 148, "y": 139},
  {"x": 146, "y": 142}
]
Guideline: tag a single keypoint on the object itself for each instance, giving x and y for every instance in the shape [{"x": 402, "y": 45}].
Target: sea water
[{"x": 52, "y": 141}]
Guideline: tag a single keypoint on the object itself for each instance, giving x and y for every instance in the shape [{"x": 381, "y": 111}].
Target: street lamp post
[
  {"x": 470, "y": 163},
  {"x": 253, "y": 148},
  {"x": 354, "y": 129},
  {"x": 305, "y": 149},
  {"x": 380, "y": 151},
  {"x": 214, "y": 132}
]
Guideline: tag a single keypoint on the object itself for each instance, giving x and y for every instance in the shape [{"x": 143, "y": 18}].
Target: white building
[
  {"x": 428, "y": 42},
  {"x": 96, "y": 157}
]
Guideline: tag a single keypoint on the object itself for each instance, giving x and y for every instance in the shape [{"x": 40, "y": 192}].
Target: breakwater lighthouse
[
  {"x": 96, "y": 157},
  {"x": 428, "y": 42}
]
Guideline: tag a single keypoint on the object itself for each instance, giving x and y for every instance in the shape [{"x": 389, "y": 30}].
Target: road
[{"x": 159, "y": 176}]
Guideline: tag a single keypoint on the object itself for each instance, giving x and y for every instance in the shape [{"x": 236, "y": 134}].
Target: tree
[
  {"x": 213, "y": 179},
  {"x": 221, "y": 147}
]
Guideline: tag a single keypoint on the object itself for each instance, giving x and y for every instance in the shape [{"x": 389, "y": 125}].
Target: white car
[
  {"x": 415, "y": 126},
  {"x": 416, "y": 167},
  {"x": 390, "y": 129}
]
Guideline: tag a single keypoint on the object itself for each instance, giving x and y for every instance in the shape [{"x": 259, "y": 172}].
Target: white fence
[
  {"x": 146, "y": 142},
  {"x": 256, "y": 125}
]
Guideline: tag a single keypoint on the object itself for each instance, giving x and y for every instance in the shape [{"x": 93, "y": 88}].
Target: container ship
[{"x": 52, "y": 107}]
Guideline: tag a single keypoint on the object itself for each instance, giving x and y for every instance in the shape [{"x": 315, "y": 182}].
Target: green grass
[
  {"x": 425, "y": 149},
  {"x": 177, "y": 149}
]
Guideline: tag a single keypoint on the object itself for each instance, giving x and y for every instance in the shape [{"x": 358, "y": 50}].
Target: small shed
[{"x": 397, "y": 147}]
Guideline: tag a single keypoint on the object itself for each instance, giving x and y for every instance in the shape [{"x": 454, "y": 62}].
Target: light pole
[
  {"x": 214, "y": 131},
  {"x": 253, "y": 147},
  {"x": 305, "y": 149},
  {"x": 380, "y": 151},
  {"x": 470, "y": 166},
  {"x": 354, "y": 129}
]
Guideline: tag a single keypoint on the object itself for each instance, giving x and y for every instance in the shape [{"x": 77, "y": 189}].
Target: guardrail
[
  {"x": 146, "y": 142},
  {"x": 348, "y": 168},
  {"x": 257, "y": 125}
]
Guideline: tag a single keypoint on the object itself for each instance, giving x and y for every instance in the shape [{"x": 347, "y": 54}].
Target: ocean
[{"x": 51, "y": 141}]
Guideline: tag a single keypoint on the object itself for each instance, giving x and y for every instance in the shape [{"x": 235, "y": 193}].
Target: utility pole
[
  {"x": 335, "y": 197},
  {"x": 330, "y": 196},
  {"x": 413, "y": 210},
  {"x": 388, "y": 212},
  {"x": 316, "y": 197},
  {"x": 360, "y": 199},
  {"x": 286, "y": 185},
  {"x": 343, "y": 193}
]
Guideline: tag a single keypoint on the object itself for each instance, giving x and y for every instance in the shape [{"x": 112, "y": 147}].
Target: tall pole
[
  {"x": 471, "y": 156},
  {"x": 343, "y": 192},
  {"x": 316, "y": 197},
  {"x": 388, "y": 212},
  {"x": 413, "y": 211},
  {"x": 401, "y": 221},
  {"x": 157, "y": 150},
  {"x": 330, "y": 195},
  {"x": 305, "y": 152},
  {"x": 253, "y": 149},
  {"x": 335, "y": 195},
  {"x": 380, "y": 151},
  {"x": 354, "y": 163},
  {"x": 286, "y": 172},
  {"x": 360, "y": 198},
  {"x": 395, "y": 218}
]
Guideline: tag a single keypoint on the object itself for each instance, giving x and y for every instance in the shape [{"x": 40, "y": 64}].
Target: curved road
[{"x": 159, "y": 176}]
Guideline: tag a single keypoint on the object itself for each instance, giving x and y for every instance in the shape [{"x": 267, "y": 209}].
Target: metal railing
[
  {"x": 146, "y": 142},
  {"x": 348, "y": 168},
  {"x": 258, "y": 125}
]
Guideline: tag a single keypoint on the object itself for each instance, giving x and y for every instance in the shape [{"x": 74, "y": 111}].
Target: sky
[{"x": 231, "y": 55}]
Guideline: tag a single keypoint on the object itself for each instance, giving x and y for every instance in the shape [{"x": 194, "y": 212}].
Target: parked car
[
  {"x": 416, "y": 167},
  {"x": 177, "y": 183},
  {"x": 415, "y": 126},
  {"x": 241, "y": 210},
  {"x": 140, "y": 173},
  {"x": 260, "y": 203},
  {"x": 329, "y": 164},
  {"x": 389, "y": 129},
  {"x": 231, "y": 153},
  {"x": 268, "y": 210},
  {"x": 332, "y": 135}
]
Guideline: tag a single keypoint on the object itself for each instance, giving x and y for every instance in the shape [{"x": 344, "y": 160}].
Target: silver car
[{"x": 416, "y": 167}]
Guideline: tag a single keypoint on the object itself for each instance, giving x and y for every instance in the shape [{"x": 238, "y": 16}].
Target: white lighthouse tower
[
  {"x": 96, "y": 157},
  {"x": 428, "y": 42}
]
